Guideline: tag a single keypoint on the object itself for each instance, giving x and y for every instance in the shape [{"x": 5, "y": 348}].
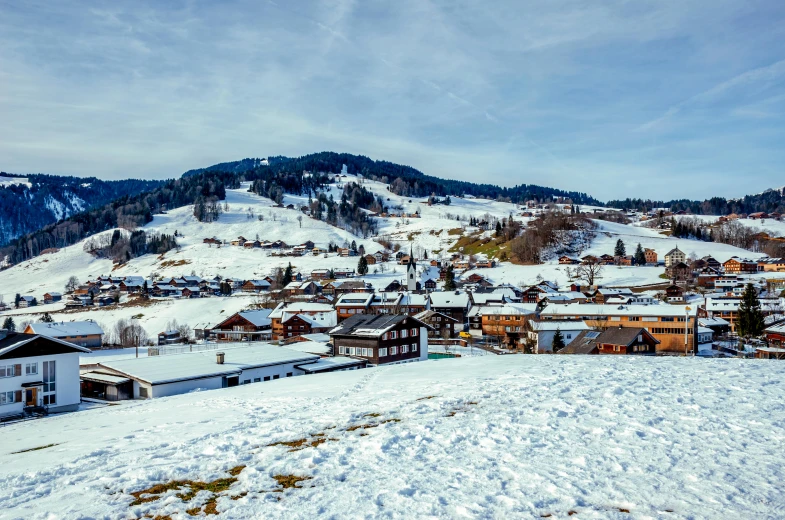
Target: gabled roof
[
  {"x": 373, "y": 325},
  {"x": 674, "y": 250},
  {"x": 66, "y": 329},
  {"x": 15, "y": 340},
  {"x": 623, "y": 336},
  {"x": 453, "y": 299}
]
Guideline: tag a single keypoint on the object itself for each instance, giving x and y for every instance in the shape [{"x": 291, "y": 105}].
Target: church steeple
[{"x": 411, "y": 272}]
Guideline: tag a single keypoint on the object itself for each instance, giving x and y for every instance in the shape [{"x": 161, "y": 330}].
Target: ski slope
[{"x": 482, "y": 437}]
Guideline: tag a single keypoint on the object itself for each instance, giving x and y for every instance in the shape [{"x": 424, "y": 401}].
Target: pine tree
[
  {"x": 362, "y": 266},
  {"x": 640, "y": 256},
  {"x": 287, "y": 275},
  {"x": 620, "y": 250},
  {"x": 9, "y": 324},
  {"x": 558, "y": 341},
  {"x": 145, "y": 291},
  {"x": 449, "y": 279},
  {"x": 17, "y": 299},
  {"x": 498, "y": 229},
  {"x": 750, "y": 322},
  {"x": 47, "y": 318}
]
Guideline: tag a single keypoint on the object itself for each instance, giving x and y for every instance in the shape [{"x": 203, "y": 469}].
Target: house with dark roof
[
  {"x": 382, "y": 339},
  {"x": 245, "y": 326},
  {"x": 613, "y": 341}
]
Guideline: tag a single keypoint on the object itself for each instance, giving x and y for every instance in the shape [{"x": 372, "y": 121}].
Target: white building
[
  {"x": 36, "y": 373},
  {"x": 236, "y": 364},
  {"x": 542, "y": 333}
]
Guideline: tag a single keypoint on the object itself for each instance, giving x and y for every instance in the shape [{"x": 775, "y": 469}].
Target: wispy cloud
[{"x": 531, "y": 91}]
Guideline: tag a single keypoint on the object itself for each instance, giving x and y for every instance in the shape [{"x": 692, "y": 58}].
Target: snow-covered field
[{"x": 483, "y": 437}]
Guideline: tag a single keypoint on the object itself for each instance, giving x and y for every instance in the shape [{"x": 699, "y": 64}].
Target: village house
[
  {"x": 38, "y": 374},
  {"x": 626, "y": 341},
  {"x": 541, "y": 333},
  {"x": 568, "y": 260},
  {"x": 455, "y": 304},
  {"x": 256, "y": 286},
  {"x": 353, "y": 303},
  {"x": 442, "y": 326},
  {"x": 679, "y": 271},
  {"x": 767, "y": 265},
  {"x": 382, "y": 339},
  {"x": 52, "y": 297},
  {"x": 651, "y": 256},
  {"x": 674, "y": 256},
  {"x": 671, "y": 325},
  {"x": 735, "y": 265},
  {"x": 82, "y": 333},
  {"x": 295, "y": 324},
  {"x": 286, "y": 309},
  {"x": 727, "y": 308},
  {"x": 320, "y": 274},
  {"x": 343, "y": 272},
  {"x": 507, "y": 322},
  {"x": 244, "y": 326}
]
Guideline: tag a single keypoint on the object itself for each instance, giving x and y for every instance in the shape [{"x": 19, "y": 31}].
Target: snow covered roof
[
  {"x": 158, "y": 370},
  {"x": 260, "y": 317},
  {"x": 296, "y": 307},
  {"x": 66, "y": 329},
  {"x": 552, "y": 325},
  {"x": 455, "y": 299},
  {"x": 509, "y": 309},
  {"x": 593, "y": 309},
  {"x": 330, "y": 363},
  {"x": 360, "y": 299},
  {"x": 732, "y": 304},
  {"x": 103, "y": 378},
  {"x": 320, "y": 319},
  {"x": 712, "y": 322},
  {"x": 320, "y": 348}
]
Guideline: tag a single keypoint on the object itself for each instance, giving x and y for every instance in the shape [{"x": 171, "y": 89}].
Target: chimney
[{"x": 219, "y": 358}]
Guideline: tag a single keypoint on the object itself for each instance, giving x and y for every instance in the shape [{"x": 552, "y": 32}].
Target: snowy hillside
[{"x": 492, "y": 437}]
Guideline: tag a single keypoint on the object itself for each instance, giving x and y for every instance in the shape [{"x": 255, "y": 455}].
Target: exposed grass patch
[
  {"x": 35, "y": 449},
  {"x": 189, "y": 487},
  {"x": 372, "y": 415},
  {"x": 426, "y": 397},
  {"x": 175, "y": 263},
  {"x": 289, "y": 481},
  {"x": 475, "y": 245},
  {"x": 370, "y": 425},
  {"x": 300, "y": 444}
]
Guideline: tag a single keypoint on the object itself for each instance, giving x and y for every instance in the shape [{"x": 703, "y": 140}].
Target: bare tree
[
  {"x": 72, "y": 284},
  {"x": 589, "y": 271},
  {"x": 300, "y": 220},
  {"x": 185, "y": 332},
  {"x": 129, "y": 334}
]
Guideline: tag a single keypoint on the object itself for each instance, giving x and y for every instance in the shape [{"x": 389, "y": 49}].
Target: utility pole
[{"x": 687, "y": 310}]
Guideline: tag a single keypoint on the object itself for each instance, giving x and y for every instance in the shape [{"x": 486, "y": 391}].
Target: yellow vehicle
[{"x": 465, "y": 335}]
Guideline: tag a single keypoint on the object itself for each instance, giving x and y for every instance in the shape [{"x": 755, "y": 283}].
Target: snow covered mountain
[
  {"x": 486, "y": 437},
  {"x": 29, "y": 203}
]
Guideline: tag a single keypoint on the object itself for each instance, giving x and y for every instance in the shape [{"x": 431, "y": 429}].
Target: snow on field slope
[{"x": 489, "y": 437}]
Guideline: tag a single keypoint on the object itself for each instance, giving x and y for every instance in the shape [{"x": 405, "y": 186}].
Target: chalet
[
  {"x": 131, "y": 286},
  {"x": 455, "y": 304},
  {"x": 322, "y": 311},
  {"x": 245, "y": 326},
  {"x": 507, "y": 322},
  {"x": 740, "y": 265},
  {"x": 651, "y": 256},
  {"x": 679, "y": 271},
  {"x": 319, "y": 251},
  {"x": 105, "y": 300},
  {"x": 590, "y": 259},
  {"x": 381, "y": 256},
  {"x": 568, "y": 260},
  {"x": 370, "y": 259},
  {"x": 727, "y": 308},
  {"x": 320, "y": 274},
  {"x": 27, "y": 301},
  {"x": 52, "y": 297},
  {"x": 166, "y": 291},
  {"x": 382, "y": 339},
  {"x": 758, "y": 215},
  {"x": 346, "y": 252},
  {"x": 191, "y": 292},
  {"x": 404, "y": 260},
  {"x": 83, "y": 333},
  {"x": 624, "y": 260},
  {"x": 256, "y": 286},
  {"x": 674, "y": 256},
  {"x": 38, "y": 374},
  {"x": 353, "y": 303},
  {"x": 442, "y": 326},
  {"x": 626, "y": 341},
  {"x": 303, "y": 324},
  {"x": 718, "y": 326},
  {"x": 212, "y": 240},
  {"x": 307, "y": 288},
  {"x": 461, "y": 264},
  {"x": 239, "y": 241},
  {"x": 343, "y": 273},
  {"x": 412, "y": 303},
  {"x": 582, "y": 344},
  {"x": 483, "y": 264},
  {"x": 674, "y": 294},
  {"x": 429, "y": 284},
  {"x": 252, "y": 244},
  {"x": 170, "y": 337},
  {"x": 340, "y": 287}
]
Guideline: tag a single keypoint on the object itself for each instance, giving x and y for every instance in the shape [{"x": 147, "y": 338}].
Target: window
[
  {"x": 393, "y": 334},
  {"x": 7, "y": 397},
  {"x": 7, "y": 371},
  {"x": 414, "y": 347},
  {"x": 257, "y": 379},
  {"x": 393, "y": 351},
  {"x": 342, "y": 350},
  {"x": 382, "y": 352},
  {"x": 414, "y": 332},
  {"x": 31, "y": 369},
  {"x": 404, "y": 333},
  {"x": 276, "y": 376},
  {"x": 246, "y": 381},
  {"x": 49, "y": 382},
  {"x": 143, "y": 392},
  {"x": 266, "y": 378},
  {"x": 404, "y": 349},
  {"x": 616, "y": 348},
  {"x": 289, "y": 374},
  {"x": 351, "y": 351}
]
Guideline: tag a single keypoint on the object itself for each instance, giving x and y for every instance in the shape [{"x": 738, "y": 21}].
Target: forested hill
[
  {"x": 769, "y": 201},
  {"x": 403, "y": 180},
  {"x": 28, "y": 203}
]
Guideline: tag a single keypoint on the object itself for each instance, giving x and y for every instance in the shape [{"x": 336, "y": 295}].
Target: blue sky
[{"x": 638, "y": 98}]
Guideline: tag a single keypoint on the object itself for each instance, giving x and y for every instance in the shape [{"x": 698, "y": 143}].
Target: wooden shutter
[
  {"x": 18, "y": 396},
  {"x": 17, "y": 370}
]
